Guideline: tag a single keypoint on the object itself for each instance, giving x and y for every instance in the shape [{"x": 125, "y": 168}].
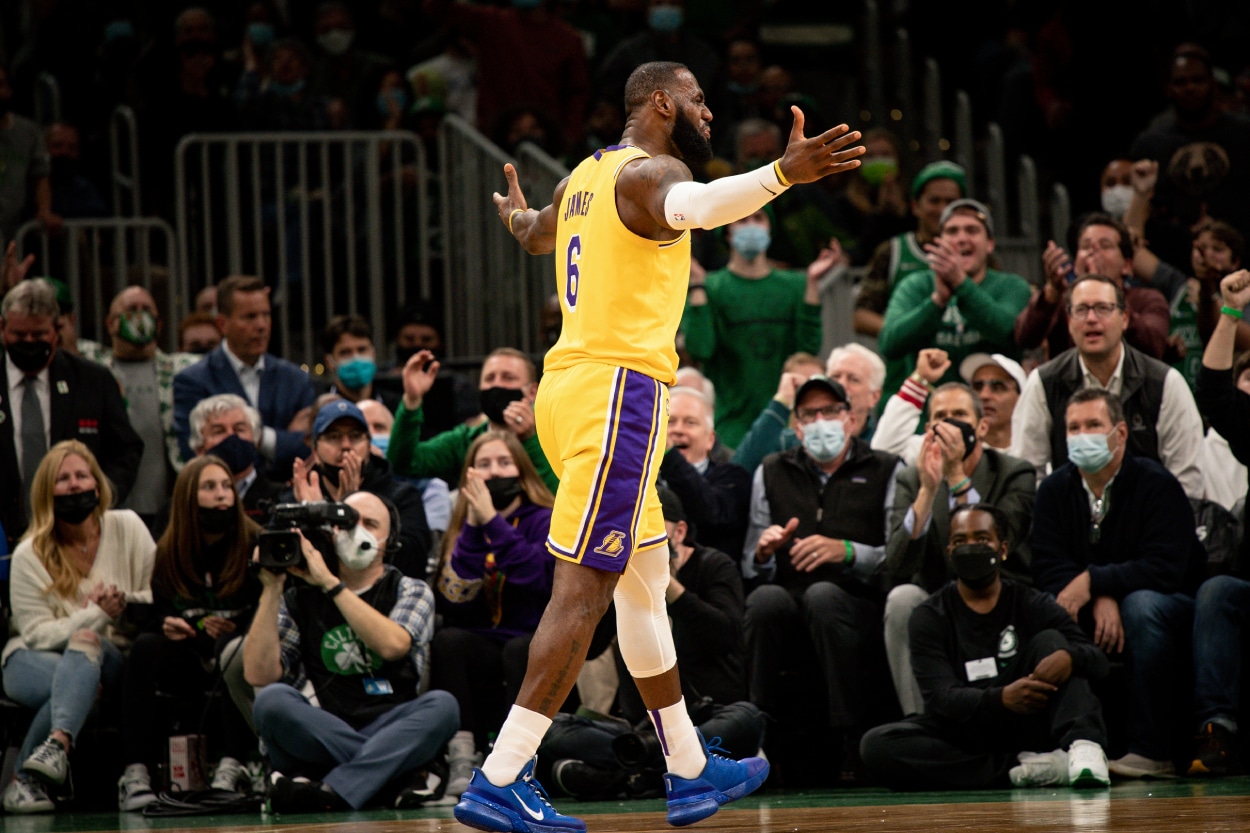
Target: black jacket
[
  {"x": 1228, "y": 410},
  {"x": 717, "y": 502}
]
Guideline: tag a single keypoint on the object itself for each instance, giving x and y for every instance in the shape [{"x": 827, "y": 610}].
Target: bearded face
[{"x": 694, "y": 148}]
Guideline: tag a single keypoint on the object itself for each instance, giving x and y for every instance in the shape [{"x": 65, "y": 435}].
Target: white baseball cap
[{"x": 969, "y": 366}]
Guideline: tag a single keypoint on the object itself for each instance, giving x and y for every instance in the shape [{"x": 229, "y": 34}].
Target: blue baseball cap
[{"x": 336, "y": 410}]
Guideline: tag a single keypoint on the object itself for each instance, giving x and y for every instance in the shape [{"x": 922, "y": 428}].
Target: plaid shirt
[{"x": 413, "y": 611}]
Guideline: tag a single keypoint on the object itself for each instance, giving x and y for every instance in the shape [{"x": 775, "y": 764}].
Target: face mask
[
  {"x": 1089, "y": 452},
  {"x": 119, "y": 30},
  {"x": 386, "y": 98},
  {"x": 824, "y": 439},
  {"x": 495, "y": 400},
  {"x": 30, "y": 356},
  {"x": 665, "y": 19},
  {"x": 215, "y": 521},
  {"x": 260, "y": 34},
  {"x": 381, "y": 442},
  {"x": 336, "y": 41},
  {"x": 877, "y": 169},
  {"x": 355, "y": 547},
  {"x": 286, "y": 90},
  {"x": 975, "y": 564},
  {"x": 75, "y": 508},
  {"x": 237, "y": 453},
  {"x": 969, "y": 435},
  {"x": 750, "y": 241},
  {"x": 741, "y": 89},
  {"x": 356, "y": 373},
  {"x": 503, "y": 490},
  {"x": 1115, "y": 200},
  {"x": 138, "y": 327}
]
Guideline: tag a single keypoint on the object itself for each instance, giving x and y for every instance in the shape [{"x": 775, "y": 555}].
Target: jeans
[
  {"x": 60, "y": 686},
  {"x": 1157, "y": 634},
  {"x": 1220, "y": 613}
]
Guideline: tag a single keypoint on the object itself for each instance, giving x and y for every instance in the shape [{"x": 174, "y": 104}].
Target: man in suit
[
  {"x": 242, "y": 365},
  {"x": 50, "y": 396}
]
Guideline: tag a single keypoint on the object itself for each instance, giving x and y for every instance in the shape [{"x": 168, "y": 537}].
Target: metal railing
[
  {"x": 47, "y": 99},
  {"x": 338, "y": 222},
  {"x": 124, "y": 155},
  {"x": 97, "y": 258}
]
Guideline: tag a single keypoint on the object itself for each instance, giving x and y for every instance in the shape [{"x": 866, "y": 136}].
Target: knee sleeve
[
  {"x": 86, "y": 643},
  {"x": 643, "y": 634}
]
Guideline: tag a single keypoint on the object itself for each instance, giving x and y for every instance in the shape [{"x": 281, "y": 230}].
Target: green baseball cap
[{"x": 939, "y": 170}]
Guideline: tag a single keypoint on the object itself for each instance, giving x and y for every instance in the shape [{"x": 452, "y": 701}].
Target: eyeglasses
[
  {"x": 996, "y": 385},
  {"x": 1101, "y": 311},
  {"x": 834, "y": 411},
  {"x": 1103, "y": 245}
]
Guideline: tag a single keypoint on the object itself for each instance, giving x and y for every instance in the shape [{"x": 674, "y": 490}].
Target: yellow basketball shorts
[{"x": 603, "y": 429}]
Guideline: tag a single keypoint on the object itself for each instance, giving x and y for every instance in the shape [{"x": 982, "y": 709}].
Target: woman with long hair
[
  {"x": 204, "y": 595},
  {"x": 76, "y": 569},
  {"x": 493, "y": 582}
]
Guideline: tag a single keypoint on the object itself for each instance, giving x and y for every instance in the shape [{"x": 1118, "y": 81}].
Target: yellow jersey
[{"x": 621, "y": 295}]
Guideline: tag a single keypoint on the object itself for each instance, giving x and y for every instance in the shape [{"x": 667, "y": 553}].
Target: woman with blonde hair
[
  {"x": 204, "y": 595},
  {"x": 492, "y": 584},
  {"x": 76, "y": 569}
]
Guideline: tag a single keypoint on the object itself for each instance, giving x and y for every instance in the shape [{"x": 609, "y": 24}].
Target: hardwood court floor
[{"x": 1160, "y": 807}]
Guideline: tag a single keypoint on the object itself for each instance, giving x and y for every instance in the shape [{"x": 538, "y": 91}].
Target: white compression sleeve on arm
[{"x": 721, "y": 201}]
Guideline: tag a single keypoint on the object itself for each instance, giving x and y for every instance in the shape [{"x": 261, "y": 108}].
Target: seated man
[
  {"x": 352, "y": 362},
  {"x": 950, "y": 472},
  {"x": 1114, "y": 541},
  {"x": 862, "y": 373},
  {"x": 359, "y": 639},
  {"x": 341, "y": 464},
  {"x": 227, "y": 427},
  {"x": 773, "y": 429},
  {"x": 1003, "y": 669},
  {"x": 818, "y": 530}
]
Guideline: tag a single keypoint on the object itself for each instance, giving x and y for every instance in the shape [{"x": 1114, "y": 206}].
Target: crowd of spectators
[{"x": 1000, "y": 530}]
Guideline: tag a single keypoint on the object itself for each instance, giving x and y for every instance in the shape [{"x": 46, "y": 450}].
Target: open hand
[{"x": 807, "y": 160}]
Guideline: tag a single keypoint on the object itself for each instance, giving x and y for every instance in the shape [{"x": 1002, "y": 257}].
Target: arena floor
[{"x": 1139, "y": 807}]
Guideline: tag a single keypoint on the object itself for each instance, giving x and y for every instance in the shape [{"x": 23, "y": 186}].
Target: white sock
[
  {"x": 517, "y": 743},
  {"x": 683, "y": 753}
]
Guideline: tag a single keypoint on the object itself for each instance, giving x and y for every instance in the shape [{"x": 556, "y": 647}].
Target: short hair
[
  {"x": 341, "y": 325},
  {"x": 34, "y": 297},
  {"x": 195, "y": 319},
  {"x": 876, "y": 376},
  {"x": 694, "y": 393},
  {"x": 1119, "y": 290},
  {"x": 1001, "y": 525},
  {"x": 969, "y": 392},
  {"x": 1098, "y": 218},
  {"x": 796, "y": 359},
  {"x": 648, "y": 78},
  {"x": 530, "y": 367},
  {"x": 704, "y": 383},
  {"x": 214, "y": 406},
  {"x": 235, "y": 283},
  {"x": 1115, "y": 410},
  {"x": 755, "y": 127},
  {"x": 1224, "y": 233}
]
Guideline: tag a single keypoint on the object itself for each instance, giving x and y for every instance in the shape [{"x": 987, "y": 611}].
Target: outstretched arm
[{"x": 534, "y": 228}]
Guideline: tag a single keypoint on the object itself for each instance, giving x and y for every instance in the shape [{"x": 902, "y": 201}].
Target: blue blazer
[{"x": 284, "y": 391}]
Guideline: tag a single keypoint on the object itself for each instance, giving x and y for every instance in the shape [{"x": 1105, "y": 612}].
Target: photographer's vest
[
  {"x": 342, "y": 669},
  {"x": 1141, "y": 394},
  {"x": 850, "y": 506}
]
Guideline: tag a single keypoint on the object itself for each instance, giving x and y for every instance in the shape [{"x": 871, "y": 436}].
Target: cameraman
[{"x": 358, "y": 639}]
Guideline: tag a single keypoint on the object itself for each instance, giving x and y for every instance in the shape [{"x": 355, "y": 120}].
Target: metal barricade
[
  {"x": 124, "y": 155},
  {"x": 337, "y": 222},
  {"x": 540, "y": 173},
  {"x": 97, "y": 258}
]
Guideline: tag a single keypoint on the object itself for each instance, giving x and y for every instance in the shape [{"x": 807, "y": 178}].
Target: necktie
[{"x": 34, "y": 442}]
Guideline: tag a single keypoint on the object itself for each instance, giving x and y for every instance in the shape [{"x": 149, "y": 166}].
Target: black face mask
[
  {"x": 495, "y": 400},
  {"x": 969, "y": 433},
  {"x": 503, "y": 490},
  {"x": 215, "y": 521},
  {"x": 976, "y": 565},
  {"x": 75, "y": 508},
  {"x": 237, "y": 453},
  {"x": 30, "y": 356}
]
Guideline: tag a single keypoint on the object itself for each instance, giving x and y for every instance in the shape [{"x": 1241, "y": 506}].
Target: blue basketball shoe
[
  {"x": 519, "y": 807},
  {"x": 723, "y": 780}
]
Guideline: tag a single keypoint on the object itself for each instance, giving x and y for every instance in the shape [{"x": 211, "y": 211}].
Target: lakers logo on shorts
[{"x": 613, "y": 544}]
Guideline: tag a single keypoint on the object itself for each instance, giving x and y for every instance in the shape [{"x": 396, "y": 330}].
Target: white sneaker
[
  {"x": 49, "y": 762},
  {"x": 1087, "y": 765},
  {"x": 1040, "y": 769},
  {"x": 462, "y": 757},
  {"x": 1133, "y": 765},
  {"x": 229, "y": 773},
  {"x": 134, "y": 789},
  {"x": 26, "y": 795}
]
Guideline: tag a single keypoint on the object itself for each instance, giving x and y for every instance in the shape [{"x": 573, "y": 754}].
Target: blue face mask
[
  {"x": 385, "y": 99},
  {"x": 665, "y": 19},
  {"x": 260, "y": 34},
  {"x": 824, "y": 439},
  {"x": 1089, "y": 452},
  {"x": 356, "y": 373},
  {"x": 286, "y": 90},
  {"x": 381, "y": 442},
  {"x": 750, "y": 241}
]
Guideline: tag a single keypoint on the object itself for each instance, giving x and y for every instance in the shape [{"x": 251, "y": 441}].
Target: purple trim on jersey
[
  {"x": 599, "y": 153},
  {"x": 659, "y": 730}
]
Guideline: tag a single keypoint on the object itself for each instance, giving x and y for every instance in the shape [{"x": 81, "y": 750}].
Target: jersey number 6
[{"x": 572, "y": 275}]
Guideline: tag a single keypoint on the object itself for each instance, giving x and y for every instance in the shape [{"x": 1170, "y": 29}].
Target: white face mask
[
  {"x": 1115, "y": 200},
  {"x": 336, "y": 41},
  {"x": 356, "y": 547}
]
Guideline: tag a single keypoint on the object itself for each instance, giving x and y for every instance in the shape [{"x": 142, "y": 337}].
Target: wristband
[
  {"x": 780, "y": 177},
  {"x": 959, "y": 487},
  {"x": 335, "y": 590},
  {"x": 515, "y": 212},
  {"x": 1232, "y": 312},
  {"x": 850, "y": 552},
  {"x": 695, "y": 286}
]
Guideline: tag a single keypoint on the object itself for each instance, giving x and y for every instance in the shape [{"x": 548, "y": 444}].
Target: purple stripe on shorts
[
  {"x": 659, "y": 730},
  {"x": 588, "y": 511}
]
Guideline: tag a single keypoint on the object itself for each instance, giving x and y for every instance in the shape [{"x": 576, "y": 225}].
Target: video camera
[{"x": 280, "y": 541}]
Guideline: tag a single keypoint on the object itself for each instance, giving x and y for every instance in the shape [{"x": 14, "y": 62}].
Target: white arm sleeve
[{"x": 721, "y": 201}]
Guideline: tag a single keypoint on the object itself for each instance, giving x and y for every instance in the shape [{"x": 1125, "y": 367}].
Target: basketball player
[{"x": 619, "y": 225}]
